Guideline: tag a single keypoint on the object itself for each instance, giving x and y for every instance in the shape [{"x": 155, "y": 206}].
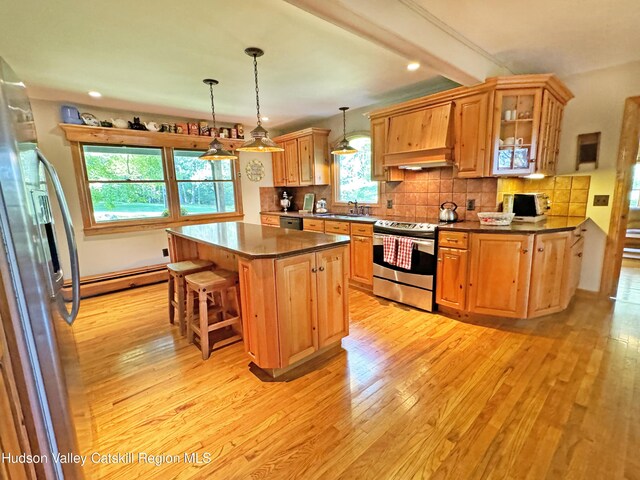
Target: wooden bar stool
[
  {"x": 177, "y": 289},
  {"x": 220, "y": 287}
]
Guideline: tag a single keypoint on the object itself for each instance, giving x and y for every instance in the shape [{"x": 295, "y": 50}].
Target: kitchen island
[{"x": 293, "y": 286}]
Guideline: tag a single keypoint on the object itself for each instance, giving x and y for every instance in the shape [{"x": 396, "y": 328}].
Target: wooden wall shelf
[{"x": 125, "y": 136}]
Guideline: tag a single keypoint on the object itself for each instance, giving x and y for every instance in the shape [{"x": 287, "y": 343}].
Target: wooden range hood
[{"x": 422, "y": 138}]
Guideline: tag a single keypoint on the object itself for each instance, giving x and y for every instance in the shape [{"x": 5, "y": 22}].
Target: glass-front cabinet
[{"x": 516, "y": 128}]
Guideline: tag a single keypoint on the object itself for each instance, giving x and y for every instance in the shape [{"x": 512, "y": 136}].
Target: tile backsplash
[
  {"x": 568, "y": 194},
  {"x": 419, "y": 196}
]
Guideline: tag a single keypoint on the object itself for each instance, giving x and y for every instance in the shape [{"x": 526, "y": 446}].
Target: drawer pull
[{"x": 451, "y": 240}]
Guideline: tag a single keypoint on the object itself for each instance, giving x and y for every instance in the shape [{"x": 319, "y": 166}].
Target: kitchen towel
[
  {"x": 390, "y": 249},
  {"x": 405, "y": 249}
]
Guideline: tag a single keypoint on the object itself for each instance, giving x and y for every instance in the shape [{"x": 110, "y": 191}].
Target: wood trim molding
[
  {"x": 546, "y": 80},
  {"x": 301, "y": 133},
  {"x": 111, "y": 282},
  {"x": 627, "y": 157},
  {"x": 141, "y": 226}
]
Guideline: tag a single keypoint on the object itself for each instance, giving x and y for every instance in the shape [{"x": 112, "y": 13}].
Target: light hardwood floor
[{"x": 413, "y": 395}]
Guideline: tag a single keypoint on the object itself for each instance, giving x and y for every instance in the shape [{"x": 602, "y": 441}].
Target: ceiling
[
  {"x": 560, "y": 36},
  {"x": 152, "y": 57}
]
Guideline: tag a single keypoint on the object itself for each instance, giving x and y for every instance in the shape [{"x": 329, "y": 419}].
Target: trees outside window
[{"x": 353, "y": 174}]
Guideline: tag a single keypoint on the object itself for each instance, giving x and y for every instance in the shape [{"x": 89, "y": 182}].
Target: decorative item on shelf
[
  {"x": 70, "y": 114},
  {"x": 224, "y": 133},
  {"x": 240, "y": 129},
  {"x": 106, "y": 124},
  {"x": 152, "y": 126},
  {"x": 194, "y": 128},
  {"x": 321, "y": 205},
  {"x": 260, "y": 141},
  {"x": 255, "y": 170},
  {"x": 165, "y": 128},
  {"x": 214, "y": 132},
  {"x": 343, "y": 147},
  {"x": 136, "y": 124},
  {"x": 285, "y": 201},
  {"x": 204, "y": 128},
  {"x": 90, "y": 119},
  {"x": 182, "y": 128},
  {"x": 234, "y": 133},
  {"x": 119, "y": 123},
  {"x": 507, "y": 115},
  {"x": 216, "y": 150}
]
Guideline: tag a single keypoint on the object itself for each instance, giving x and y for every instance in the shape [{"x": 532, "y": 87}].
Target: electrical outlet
[
  {"x": 600, "y": 200},
  {"x": 471, "y": 203},
  {"x": 389, "y": 203},
  {"x": 165, "y": 252}
]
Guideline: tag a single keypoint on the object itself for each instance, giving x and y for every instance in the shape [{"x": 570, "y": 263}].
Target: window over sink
[{"x": 352, "y": 174}]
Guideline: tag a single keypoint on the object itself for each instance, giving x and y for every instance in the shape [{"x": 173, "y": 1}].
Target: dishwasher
[{"x": 294, "y": 223}]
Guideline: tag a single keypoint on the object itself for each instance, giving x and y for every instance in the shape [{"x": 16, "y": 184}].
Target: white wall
[
  {"x": 98, "y": 253},
  {"x": 598, "y": 106},
  {"x": 251, "y": 190}
]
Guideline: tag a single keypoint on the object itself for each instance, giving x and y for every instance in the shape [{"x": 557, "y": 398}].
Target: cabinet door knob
[
  {"x": 580, "y": 254},
  {"x": 314, "y": 269},
  {"x": 439, "y": 259},
  {"x": 541, "y": 249},
  {"x": 526, "y": 250},
  {"x": 321, "y": 269}
]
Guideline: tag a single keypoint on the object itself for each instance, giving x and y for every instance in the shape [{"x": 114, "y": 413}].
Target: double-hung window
[
  {"x": 352, "y": 174},
  {"x": 132, "y": 187}
]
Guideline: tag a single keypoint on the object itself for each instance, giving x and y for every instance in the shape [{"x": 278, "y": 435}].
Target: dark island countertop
[
  {"x": 258, "y": 241},
  {"x": 548, "y": 225}
]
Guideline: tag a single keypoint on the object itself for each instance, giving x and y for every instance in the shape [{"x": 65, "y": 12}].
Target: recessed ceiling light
[
  {"x": 413, "y": 66},
  {"x": 95, "y": 94},
  {"x": 265, "y": 119}
]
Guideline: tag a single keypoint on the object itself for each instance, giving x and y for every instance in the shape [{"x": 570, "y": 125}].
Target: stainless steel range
[{"x": 414, "y": 286}]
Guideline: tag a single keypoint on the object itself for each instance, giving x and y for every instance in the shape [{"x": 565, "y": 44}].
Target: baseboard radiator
[{"x": 115, "y": 281}]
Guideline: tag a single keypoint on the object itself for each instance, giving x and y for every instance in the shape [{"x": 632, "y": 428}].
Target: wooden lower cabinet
[
  {"x": 271, "y": 220},
  {"x": 451, "y": 283},
  {"x": 548, "y": 273},
  {"x": 297, "y": 300},
  {"x": 362, "y": 259},
  {"x": 310, "y": 310},
  {"x": 499, "y": 274},
  {"x": 508, "y": 275}
]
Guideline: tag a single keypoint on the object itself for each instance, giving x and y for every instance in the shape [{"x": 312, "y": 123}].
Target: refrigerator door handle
[{"x": 69, "y": 316}]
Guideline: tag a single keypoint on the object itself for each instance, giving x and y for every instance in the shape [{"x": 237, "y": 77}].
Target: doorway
[{"x": 629, "y": 280}]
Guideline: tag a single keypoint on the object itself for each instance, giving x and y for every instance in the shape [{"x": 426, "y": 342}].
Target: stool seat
[
  {"x": 216, "y": 294},
  {"x": 189, "y": 266},
  {"x": 212, "y": 279},
  {"x": 177, "y": 287}
]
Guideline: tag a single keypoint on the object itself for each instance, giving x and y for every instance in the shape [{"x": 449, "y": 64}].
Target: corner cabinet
[
  {"x": 504, "y": 126},
  {"x": 305, "y": 160}
]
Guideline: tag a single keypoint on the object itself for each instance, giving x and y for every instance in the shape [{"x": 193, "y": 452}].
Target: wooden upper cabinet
[
  {"x": 297, "y": 301},
  {"x": 471, "y": 129},
  {"x": 499, "y": 274},
  {"x": 548, "y": 145},
  {"x": 451, "y": 286},
  {"x": 332, "y": 284},
  {"x": 305, "y": 161},
  {"x": 378, "y": 146},
  {"x": 291, "y": 162},
  {"x": 279, "y": 169},
  {"x": 549, "y": 263}
]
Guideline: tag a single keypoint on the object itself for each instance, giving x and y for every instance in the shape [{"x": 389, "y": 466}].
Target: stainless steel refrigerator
[{"x": 37, "y": 323}]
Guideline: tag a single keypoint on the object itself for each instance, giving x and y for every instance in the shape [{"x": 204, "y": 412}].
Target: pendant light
[
  {"x": 260, "y": 141},
  {"x": 343, "y": 147},
  {"x": 216, "y": 149}
]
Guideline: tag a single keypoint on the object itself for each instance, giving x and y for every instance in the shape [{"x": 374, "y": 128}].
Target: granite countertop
[
  {"x": 549, "y": 225},
  {"x": 258, "y": 241}
]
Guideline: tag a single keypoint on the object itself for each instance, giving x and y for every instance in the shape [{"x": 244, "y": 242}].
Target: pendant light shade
[
  {"x": 343, "y": 147},
  {"x": 216, "y": 149},
  {"x": 260, "y": 141}
]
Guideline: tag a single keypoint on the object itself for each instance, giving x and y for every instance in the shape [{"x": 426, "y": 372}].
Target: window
[
  {"x": 353, "y": 174},
  {"x": 635, "y": 187},
  {"x": 203, "y": 187},
  {"x": 131, "y": 187},
  {"x": 125, "y": 183}
]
